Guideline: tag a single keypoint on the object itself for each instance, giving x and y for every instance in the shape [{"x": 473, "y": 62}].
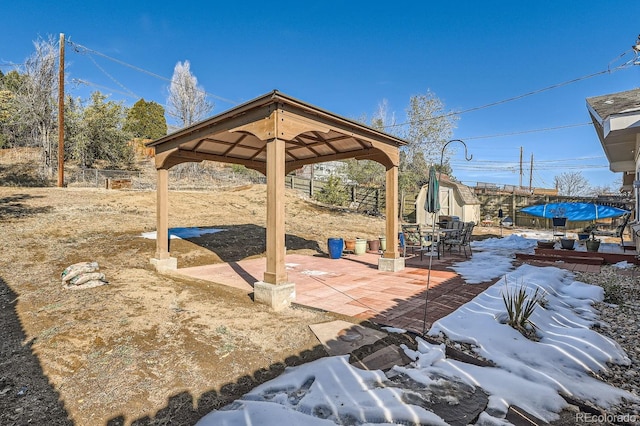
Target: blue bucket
[{"x": 336, "y": 245}]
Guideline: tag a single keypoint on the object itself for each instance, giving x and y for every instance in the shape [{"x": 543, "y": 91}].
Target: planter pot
[
  {"x": 567, "y": 243},
  {"x": 593, "y": 245},
  {"x": 335, "y": 245},
  {"x": 559, "y": 221},
  {"x": 546, "y": 244},
  {"x": 374, "y": 245},
  {"x": 582, "y": 236},
  {"x": 350, "y": 245},
  {"x": 383, "y": 243},
  {"x": 361, "y": 246}
]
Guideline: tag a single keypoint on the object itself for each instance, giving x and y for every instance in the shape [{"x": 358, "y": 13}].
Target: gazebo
[{"x": 276, "y": 134}]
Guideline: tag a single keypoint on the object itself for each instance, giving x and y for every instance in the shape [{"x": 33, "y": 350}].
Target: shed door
[{"x": 446, "y": 201}]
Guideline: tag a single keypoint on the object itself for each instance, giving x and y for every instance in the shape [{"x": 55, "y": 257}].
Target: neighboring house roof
[{"x": 616, "y": 118}]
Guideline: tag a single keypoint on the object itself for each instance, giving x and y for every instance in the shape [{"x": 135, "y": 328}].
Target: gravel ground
[{"x": 620, "y": 314}]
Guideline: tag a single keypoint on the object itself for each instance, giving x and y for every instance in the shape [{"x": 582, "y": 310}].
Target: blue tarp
[{"x": 574, "y": 211}]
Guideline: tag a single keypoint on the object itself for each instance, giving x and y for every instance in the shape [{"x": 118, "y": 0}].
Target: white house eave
[
  {"x": 622, "y": 166},
  {"x": 594, "y": 114},
  {"x": 622, "y": 121}
]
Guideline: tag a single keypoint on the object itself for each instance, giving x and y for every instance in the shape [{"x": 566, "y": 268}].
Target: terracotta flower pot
[{"x": 350, "y": 245}]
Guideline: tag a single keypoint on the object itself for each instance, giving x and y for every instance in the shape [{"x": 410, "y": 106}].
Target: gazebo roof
[{"x": 240, "y": 136}]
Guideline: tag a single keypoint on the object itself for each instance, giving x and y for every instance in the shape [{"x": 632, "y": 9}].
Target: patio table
[{"x": 438, "y": 236}]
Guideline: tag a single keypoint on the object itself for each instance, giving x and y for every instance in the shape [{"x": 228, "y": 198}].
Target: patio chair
[
  {"x": 559, "y": 227},
  {"x": 463, "y": 241},
  {"x": 619, "y": 231},
  {"x": 456, "y": 226},
  {"x": 412, "y": 237}
]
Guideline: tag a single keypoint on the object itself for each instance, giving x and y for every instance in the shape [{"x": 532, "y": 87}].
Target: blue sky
[{"x": 347, "y": 56}]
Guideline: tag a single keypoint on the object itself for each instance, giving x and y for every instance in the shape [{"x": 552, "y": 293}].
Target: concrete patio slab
[
  {"x": 353, "y": 286},
  {"x": 342, "y": 337}
]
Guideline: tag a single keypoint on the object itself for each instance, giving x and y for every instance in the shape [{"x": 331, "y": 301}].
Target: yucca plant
[{"x": 520, "y": 306}]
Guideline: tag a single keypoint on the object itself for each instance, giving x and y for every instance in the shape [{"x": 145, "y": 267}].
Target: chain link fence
[
  {"x": 180, "y": 178},
  {"x": 98, "y": 178}
]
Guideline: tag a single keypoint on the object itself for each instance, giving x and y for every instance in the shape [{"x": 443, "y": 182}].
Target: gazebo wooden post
[
  {"x": 391, "y": 260},
  {"x": 163, "y": 260},
  {"x": 274, "y": 290},
  {"x": 275, "y": 273}
]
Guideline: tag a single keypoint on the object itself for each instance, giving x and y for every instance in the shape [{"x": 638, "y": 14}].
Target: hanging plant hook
[{"x": 466, "y": 154}]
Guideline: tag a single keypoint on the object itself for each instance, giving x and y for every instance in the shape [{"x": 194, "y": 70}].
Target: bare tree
[
  {"x": 383, "y": 119},
  {"x": 610, "y": 189},
  {"x": 571, "y": 184},
  {"x": 36, "y": 98},
  {"x": 187, "y": 102}
]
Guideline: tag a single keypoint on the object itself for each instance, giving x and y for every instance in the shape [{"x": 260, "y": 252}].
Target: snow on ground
[
  {"x": 394, "y": 330},
  {"x": 181, "y": 233},
  {"x": 567, "y": 352},
  {"x": 623, "y": 265},
  {"x": 530, "y": 374},
  {"x": 323, "y": 392},
  {"x": 492, "y": 258}
]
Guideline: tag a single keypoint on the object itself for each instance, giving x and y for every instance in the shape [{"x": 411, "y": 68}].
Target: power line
[
  {"x": 522, "y": 132},
  {"x": 112, "y": 78},
  {"x": 524, "y": 95},
  {"x": 554, "y": 161},
  {"x": 78, "y": 81},
  {"x": 10, "y": 65},
  {"x": 538, "y": 178},
  {"x": 514, "y": 168},
  {"x": 559, "y": 160},
  {"x": 78, "y": 48}
]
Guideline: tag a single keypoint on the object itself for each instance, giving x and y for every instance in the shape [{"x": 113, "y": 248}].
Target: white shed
[{"x": 456, "y": 199}]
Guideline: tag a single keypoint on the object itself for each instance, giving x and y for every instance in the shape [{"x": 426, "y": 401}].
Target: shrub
[
  {"x": 333, "y": 192},
  {"x": 613, "y": 293},
  {"x": 520, "y": 306}
]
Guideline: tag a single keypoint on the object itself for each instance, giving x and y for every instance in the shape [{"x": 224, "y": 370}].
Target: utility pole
[
  {"x": 61, "y": 114},
  {"x": 531, "y": 174},
  {"x": 520, "y": 167}
]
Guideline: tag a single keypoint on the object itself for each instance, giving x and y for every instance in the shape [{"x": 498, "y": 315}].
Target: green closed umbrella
[{"x": 432, "y": 201}]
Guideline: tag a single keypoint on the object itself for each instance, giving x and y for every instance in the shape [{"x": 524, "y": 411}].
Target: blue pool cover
[{"x": 574, "y": 211}]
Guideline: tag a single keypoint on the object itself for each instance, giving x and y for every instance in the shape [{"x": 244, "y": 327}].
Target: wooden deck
[{"x": 608, "y": 254}]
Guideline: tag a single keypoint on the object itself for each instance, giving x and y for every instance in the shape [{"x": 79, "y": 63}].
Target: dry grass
[{"x": 122, "y": 350}]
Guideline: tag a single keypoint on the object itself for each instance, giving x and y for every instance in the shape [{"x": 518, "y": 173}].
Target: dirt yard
[{"x": 145, "y": 348}]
